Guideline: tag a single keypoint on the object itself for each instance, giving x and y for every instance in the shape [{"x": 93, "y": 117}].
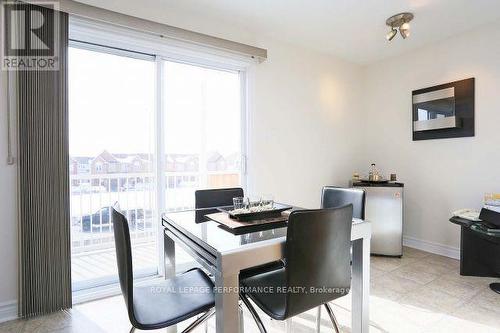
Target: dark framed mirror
[{"x": 444, "y": 111}]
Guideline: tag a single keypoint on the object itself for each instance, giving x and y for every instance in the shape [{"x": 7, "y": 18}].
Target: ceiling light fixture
[{"x": 399, "y": 22}]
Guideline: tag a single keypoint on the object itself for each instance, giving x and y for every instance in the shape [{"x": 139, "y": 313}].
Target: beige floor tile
[
  {"x": 460, "y": 289},
  {"x": 394, "y": 317},
  {"x": 388, "y": 264},
  {"x": 50, "y": 323},
  {"x": 414, "y": 253},
  {"x": 413, "y": 273},
  {"x": 381, "y": 292},
  {"x": 374, "y": 272},
  {"x": 478, "y": 315},
  {"x": 454, "y": 324},
  {"x": 442, "y": 261},
  {"x": 14, "y": 326},
  {"x": 488, "y": 300},
  {"x": 80, "y": 329},
  {"x": 477, "y": 280},
  {"x": 431, "y": 268},
  {"x": 34, "y": 325},
  {"x": 395, "y": 283},
  {"x": 432, "y": 300}
]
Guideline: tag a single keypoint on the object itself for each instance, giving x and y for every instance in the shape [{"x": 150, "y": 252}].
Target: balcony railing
[{"x": 93, "y": 195}]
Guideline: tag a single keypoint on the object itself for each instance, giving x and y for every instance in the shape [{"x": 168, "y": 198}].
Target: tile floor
[{"x": 421, "y": 292}]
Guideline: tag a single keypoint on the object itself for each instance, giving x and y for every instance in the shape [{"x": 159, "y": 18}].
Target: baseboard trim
[
  {"x": 436, "y": 248},
  {"x": 8, "y": 311}
]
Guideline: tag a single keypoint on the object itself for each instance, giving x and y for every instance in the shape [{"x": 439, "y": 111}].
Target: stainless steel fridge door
[{"x": 384, "y": 209}]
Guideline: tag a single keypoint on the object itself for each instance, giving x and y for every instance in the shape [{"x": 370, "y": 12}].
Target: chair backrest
[
  {"x": 124, "y": 260},
  {"x": 317, "y": 257},
  {"x": 216, "y": 197},
  {"x": 338, "y": 196}
]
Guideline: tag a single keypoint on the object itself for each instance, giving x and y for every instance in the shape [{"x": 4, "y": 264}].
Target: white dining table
[{"x": 225, "y": 254}]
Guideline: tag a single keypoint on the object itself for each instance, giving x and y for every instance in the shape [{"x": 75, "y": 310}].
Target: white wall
[
  {"x": 8, "y": 211},
  {"x": 303, "y": 124},
  {"x": 440, "y": 175}
]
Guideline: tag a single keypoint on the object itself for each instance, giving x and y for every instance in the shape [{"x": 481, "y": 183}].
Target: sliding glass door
[
  {"x": 202, "y": 135},
  {"x": 202, "y": 131},
  {"x": 144, "y": 133},
  {"x": 111, "y": 125}
]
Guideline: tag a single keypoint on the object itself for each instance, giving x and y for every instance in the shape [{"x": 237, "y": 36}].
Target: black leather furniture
[
  {"x": 157, "y": 306},
  {"x": 333, "y": 196},
  {"x": 216, "y": 197},
  {"x": 317, "y": 268}
]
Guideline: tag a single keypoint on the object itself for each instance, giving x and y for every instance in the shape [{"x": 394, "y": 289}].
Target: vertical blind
[{"x": 44, "y": 211}]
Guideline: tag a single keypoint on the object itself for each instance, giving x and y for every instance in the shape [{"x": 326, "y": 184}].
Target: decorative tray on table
[
  {"x": 379, "y": 181},
  {"x": 242, "y": 222},
  {"x": 255, "y": 213}
]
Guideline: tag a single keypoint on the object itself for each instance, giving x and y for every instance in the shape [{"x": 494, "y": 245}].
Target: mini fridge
[{"x": 384, "y": 209}]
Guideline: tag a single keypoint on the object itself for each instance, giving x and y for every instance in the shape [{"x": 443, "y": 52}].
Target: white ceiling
[{"x": 351, "y": 29}]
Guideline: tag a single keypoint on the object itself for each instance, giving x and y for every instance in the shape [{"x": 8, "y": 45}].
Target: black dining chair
[
  {"x": 317, "y": 253},
  {"x": 216, "y": 197},
  {"x": 162, "y": 304},
  {"x": 333, "y": 196}
]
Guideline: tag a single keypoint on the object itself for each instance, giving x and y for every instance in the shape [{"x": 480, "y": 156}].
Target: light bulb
[
  {"x": 404, "y": 29},
  {"x": 390, "y": 35}
]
